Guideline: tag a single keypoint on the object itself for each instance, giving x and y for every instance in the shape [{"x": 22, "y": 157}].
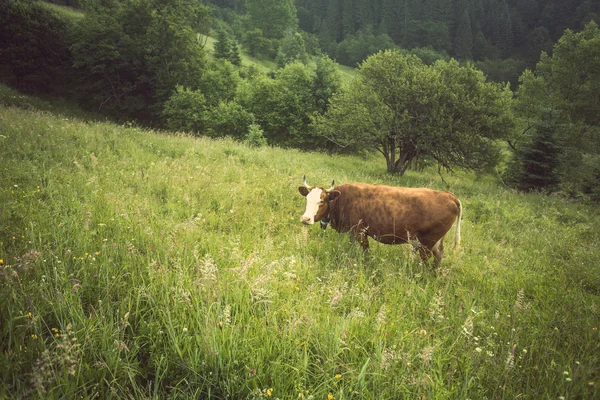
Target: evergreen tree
[
  {"x": 541, "y": 161},
  {"x": 463, "y": 46},
  {"x": 235, "y": 54},
  {"x": 222, "y": 45},
  {"x": 502, "y": 29}
]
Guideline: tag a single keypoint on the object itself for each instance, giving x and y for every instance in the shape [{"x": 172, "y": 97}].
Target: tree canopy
[
  {"x": 564, "y": 91},
  {"x": 407, "y": 110}
]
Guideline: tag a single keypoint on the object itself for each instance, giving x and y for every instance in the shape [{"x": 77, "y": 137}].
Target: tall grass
[{"x": 138, "y": 264}]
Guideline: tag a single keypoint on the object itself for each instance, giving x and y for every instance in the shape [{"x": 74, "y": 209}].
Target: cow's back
[{"x": 394, "y": 214}]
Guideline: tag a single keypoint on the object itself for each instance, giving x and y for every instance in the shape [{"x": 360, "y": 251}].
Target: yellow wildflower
[
  {"x": 330, "y": 397},
  {"x": 338, "y": 376},
  {"x": 1, "y": 261},
  {"x": 269, "y": 392}
]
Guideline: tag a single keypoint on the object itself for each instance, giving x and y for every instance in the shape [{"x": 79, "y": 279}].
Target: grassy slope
[{"x": 155, "y": 265}]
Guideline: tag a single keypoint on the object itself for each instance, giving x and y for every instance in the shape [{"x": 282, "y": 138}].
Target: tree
[
  {"x": 407, "y": 110},
  {"x": 223, "y": 44},
  {"x": 563, "y": 93},
  {"x": 463, "y": 45},
  {"x": 284, "y": 105},
  {"x": 132, "y": 54},
  {"x": 291, "y": 49},
  {"x": 235, "y": 54},
  {"x": 540, "y": 160},
  {"x": 272, "y": 17},
  {"x": 34, "y": 47}
]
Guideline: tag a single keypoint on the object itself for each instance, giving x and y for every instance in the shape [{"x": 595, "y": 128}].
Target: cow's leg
[
  {"x": 360, "y": 238},
  {"x": 429, "y": 248},
  {"x": 438, "y": 252}
]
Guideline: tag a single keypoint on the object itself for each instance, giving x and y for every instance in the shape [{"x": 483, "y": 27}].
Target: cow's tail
[{"x": 457, "y": 234}]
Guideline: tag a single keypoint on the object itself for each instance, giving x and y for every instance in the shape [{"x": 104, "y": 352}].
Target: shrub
[
  {"x": 186, "y": 111},
  {"x": 255, "y": 137}
]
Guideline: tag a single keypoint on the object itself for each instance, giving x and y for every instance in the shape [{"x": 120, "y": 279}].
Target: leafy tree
[
  {"x": 563, "y": 91},
  {"x": 256, "y": 43},
  {"x": 272, "y": 17},
  {"x": 428, "y": 55},
  {"x": 255, "y": 137},
  {"x": 283, "y": 105},
  {"x": 132, "y": 54},
  {"x": 291, "y": 49},
  {"x": 186, "y": 111},
  {"x": 218, "y": 82},
  {"x": 355, "y": 49},
  {"x": 34, "y": 47},
  {"x": 228, "y": 119},
  {"x": 407, "y": 110}
]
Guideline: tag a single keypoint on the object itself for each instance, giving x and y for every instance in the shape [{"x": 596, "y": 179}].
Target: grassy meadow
[{"x": 140, "y": 264}]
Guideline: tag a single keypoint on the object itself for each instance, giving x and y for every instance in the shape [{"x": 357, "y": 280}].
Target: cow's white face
[{"x": 314, "y": 201}]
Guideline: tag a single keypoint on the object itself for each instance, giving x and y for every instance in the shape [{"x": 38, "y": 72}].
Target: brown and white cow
[{"x": 388, "y": 214}]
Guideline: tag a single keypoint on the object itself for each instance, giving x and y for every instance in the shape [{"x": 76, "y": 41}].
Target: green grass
[{"x": 142, "y": 265}]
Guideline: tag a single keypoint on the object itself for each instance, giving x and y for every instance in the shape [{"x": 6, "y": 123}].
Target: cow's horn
[
  {"x": 306, "y": 184},
  {"x": 332, "y": 186}
]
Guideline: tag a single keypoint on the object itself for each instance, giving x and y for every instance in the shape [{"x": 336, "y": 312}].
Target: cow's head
[{"x": 318, "y": 201}]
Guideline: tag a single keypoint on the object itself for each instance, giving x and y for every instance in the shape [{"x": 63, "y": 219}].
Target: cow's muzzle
[{"x": 307, "y": 220}]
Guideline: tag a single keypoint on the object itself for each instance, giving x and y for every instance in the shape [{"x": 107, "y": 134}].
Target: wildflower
[
  {"x": 338, "y": 376},
  {"x": 330, "y": 396},
  {"x": 185, "y": 330},
  {"x": 34, "y": 336},
  {"x": 55, "y": 330},
  {"x": 568, "y": 379},
  {"x": 566, "y": 373},
  {"x": 252, "y": 371},
  {"x": 269, "y": 392},
  {"x": 478, "y": 349},
  {"x": 29, "y": 315},
  {"x": 1, "y": 261},
  {"x": 525, "y": 351},
  {"x": 97, "y": 253}
]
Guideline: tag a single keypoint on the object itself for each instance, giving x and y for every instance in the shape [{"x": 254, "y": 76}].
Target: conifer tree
[
  {"x": 541, "y": 161},
  {"x": 235, "y": 54},
  {"x": 463, "y": 45},
  {"x": 223, "y": 45}
]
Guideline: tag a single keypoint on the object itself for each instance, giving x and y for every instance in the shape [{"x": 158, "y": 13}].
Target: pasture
[{"x": 140, "y": 264}]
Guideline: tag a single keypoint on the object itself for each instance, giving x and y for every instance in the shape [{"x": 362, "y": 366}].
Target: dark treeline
[
  {"x": 410, "y": 100},
  {"x": 503, "y": 36}
]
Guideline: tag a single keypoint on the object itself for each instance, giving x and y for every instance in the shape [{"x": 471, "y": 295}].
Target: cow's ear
[
  {"x": 333, "y": 196},
  {"x": 303, "y": 190}
]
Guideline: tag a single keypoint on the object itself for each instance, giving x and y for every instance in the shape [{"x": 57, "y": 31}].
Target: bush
[
  {"x": 34, "y": 48},
  {"x": 255, "y": 137},
  {"x": 228, "y": 119},
  {"x": 186, "y": 111}
]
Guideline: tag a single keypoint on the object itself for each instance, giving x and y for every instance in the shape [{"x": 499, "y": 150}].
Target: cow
[{"x": 388, "y": 214}]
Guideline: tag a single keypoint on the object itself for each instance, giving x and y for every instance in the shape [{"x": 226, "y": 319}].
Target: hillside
[{"x": 137, "y": 263}]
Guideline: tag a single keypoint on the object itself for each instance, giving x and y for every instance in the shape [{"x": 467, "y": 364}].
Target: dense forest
[
  {"x": 510, "y": 88},
  {"x": 503, "y": 37}
]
